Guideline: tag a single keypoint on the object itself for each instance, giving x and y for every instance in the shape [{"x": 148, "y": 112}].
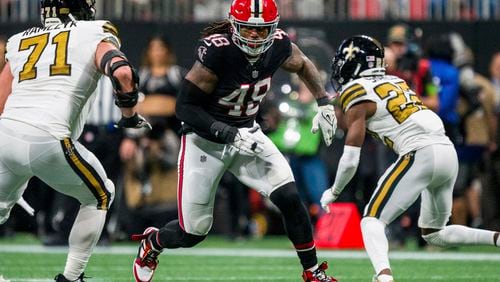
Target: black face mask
[{"x": 336, "y": 79}]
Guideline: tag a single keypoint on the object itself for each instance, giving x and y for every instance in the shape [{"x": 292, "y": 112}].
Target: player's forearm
[
  {"x": 124, "y": 76},
  {"x": 114, "y": 64},
  {"x": 189, "y": 108},
  {"x": 348, "y": 165},
  {"x": 194, "y": 115}
]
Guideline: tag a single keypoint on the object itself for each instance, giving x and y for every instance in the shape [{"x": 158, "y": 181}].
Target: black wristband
[
  {"x": 323, "y": 101},
  {"x": 223, "y": 132}
]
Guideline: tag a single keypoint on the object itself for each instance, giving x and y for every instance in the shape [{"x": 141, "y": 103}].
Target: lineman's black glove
[{"x": 136, "y": 121}]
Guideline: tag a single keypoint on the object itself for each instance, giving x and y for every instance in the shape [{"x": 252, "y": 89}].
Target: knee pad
[
  {"x": 202, "y": 225},
  {"x": 199, "y": 221}
]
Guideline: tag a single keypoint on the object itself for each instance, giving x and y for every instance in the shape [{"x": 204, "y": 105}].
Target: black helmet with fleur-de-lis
[{"x": 357, "y": 56}]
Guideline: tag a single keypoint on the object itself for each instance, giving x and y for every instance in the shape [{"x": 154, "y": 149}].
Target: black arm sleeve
[
  {"x": 188, "y": 106},
  {"x": 189, "y": 109}
]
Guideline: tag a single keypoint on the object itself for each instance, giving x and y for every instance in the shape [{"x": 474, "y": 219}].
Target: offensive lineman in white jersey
[
  {"x": 387, "y": 108},
  {"x": 45, "y": 95}
]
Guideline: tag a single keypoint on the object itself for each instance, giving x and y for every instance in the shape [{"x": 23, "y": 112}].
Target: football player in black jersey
[{"x": 219, "y": 100}]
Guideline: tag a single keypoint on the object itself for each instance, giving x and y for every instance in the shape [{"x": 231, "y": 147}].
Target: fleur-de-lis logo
[{"x": 350, "y": 51}]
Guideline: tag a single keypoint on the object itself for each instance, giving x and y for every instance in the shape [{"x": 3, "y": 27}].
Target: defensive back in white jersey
[
  {"x": 55, "y": 75},
  {"x": 401, "y": 121}
]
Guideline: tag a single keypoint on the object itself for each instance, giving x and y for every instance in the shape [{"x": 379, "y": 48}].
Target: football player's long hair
[{"x": 219, "y": 27}]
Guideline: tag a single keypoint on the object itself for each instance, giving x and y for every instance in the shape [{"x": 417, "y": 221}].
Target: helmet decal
[
  {"x": 351, "y": 51},
  {"x": 256, "y": 8}
]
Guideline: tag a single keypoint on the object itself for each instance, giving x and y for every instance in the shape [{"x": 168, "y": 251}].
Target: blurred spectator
[
  {"x": 310, "y": 9},
  {"x": 297, "y": 108},
  {"x": 491, "y": 193},
  {"x": 287, "y": 9},
  {"x": 202, "y": 10},
  {"x": 405, "y": 55},
  {"x": 209, "y": 10},
  {"x": 294, "y": 138},
  {"x": 445, "y": 75},
  {"x": 478, "y": 128},
  {"x": 495, "y": 78},
  {"x": 150, "y": 177}
]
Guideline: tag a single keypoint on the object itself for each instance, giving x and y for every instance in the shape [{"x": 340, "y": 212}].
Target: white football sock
[
  {"x": 312, "y": 269},
  {"x": 376, "y": 243},
  {"x": 84, "y": 235},
  {"x": 454, "y": 235}
]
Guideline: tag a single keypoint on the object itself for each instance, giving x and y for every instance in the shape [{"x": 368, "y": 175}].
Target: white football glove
[
  {"x": 248, "y": 142},
  {"x": 326, "y": 120},
  {"x": 329, "y": 196}
]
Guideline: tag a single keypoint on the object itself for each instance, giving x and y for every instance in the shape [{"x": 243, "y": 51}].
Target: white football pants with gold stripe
[
  {"x": 430, "y": 172},
  {"x": 201, "y": 166},
  {"x": 66, "y": 166}
]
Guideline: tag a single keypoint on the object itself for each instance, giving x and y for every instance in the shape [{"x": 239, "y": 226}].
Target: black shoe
[{"x": 60, "y": 278}]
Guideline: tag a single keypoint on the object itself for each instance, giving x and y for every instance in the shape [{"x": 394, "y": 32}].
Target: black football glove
[
  {"x": 224, "y": 132},
  {"x": 136, "y": 121}
]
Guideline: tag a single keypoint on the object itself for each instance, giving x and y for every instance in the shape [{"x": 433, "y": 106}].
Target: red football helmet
[{"x": 253, "y": 13}]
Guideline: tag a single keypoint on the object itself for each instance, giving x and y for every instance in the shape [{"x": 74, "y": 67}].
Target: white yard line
[{"x": 129, "y": 250}]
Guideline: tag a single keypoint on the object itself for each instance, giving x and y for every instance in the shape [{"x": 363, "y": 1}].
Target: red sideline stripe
[
  {"x": 304, "y": 246},
  {"x": 180, "y": 181}
]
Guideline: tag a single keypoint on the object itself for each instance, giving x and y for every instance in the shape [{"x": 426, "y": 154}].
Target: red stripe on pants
[{"x": 180, "y": 181}]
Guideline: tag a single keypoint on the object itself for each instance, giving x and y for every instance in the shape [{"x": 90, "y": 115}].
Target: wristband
[{"x": 323, "y": 101}]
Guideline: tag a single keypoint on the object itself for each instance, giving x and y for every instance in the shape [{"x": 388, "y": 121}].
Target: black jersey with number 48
[{"x": 242, "y": 85}]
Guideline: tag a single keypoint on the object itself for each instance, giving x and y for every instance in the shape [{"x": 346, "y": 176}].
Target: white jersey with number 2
[{"x": 401, "y": 121}]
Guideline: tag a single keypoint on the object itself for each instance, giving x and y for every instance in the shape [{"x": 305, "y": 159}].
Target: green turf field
[{"x": 269, "y": 259}]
